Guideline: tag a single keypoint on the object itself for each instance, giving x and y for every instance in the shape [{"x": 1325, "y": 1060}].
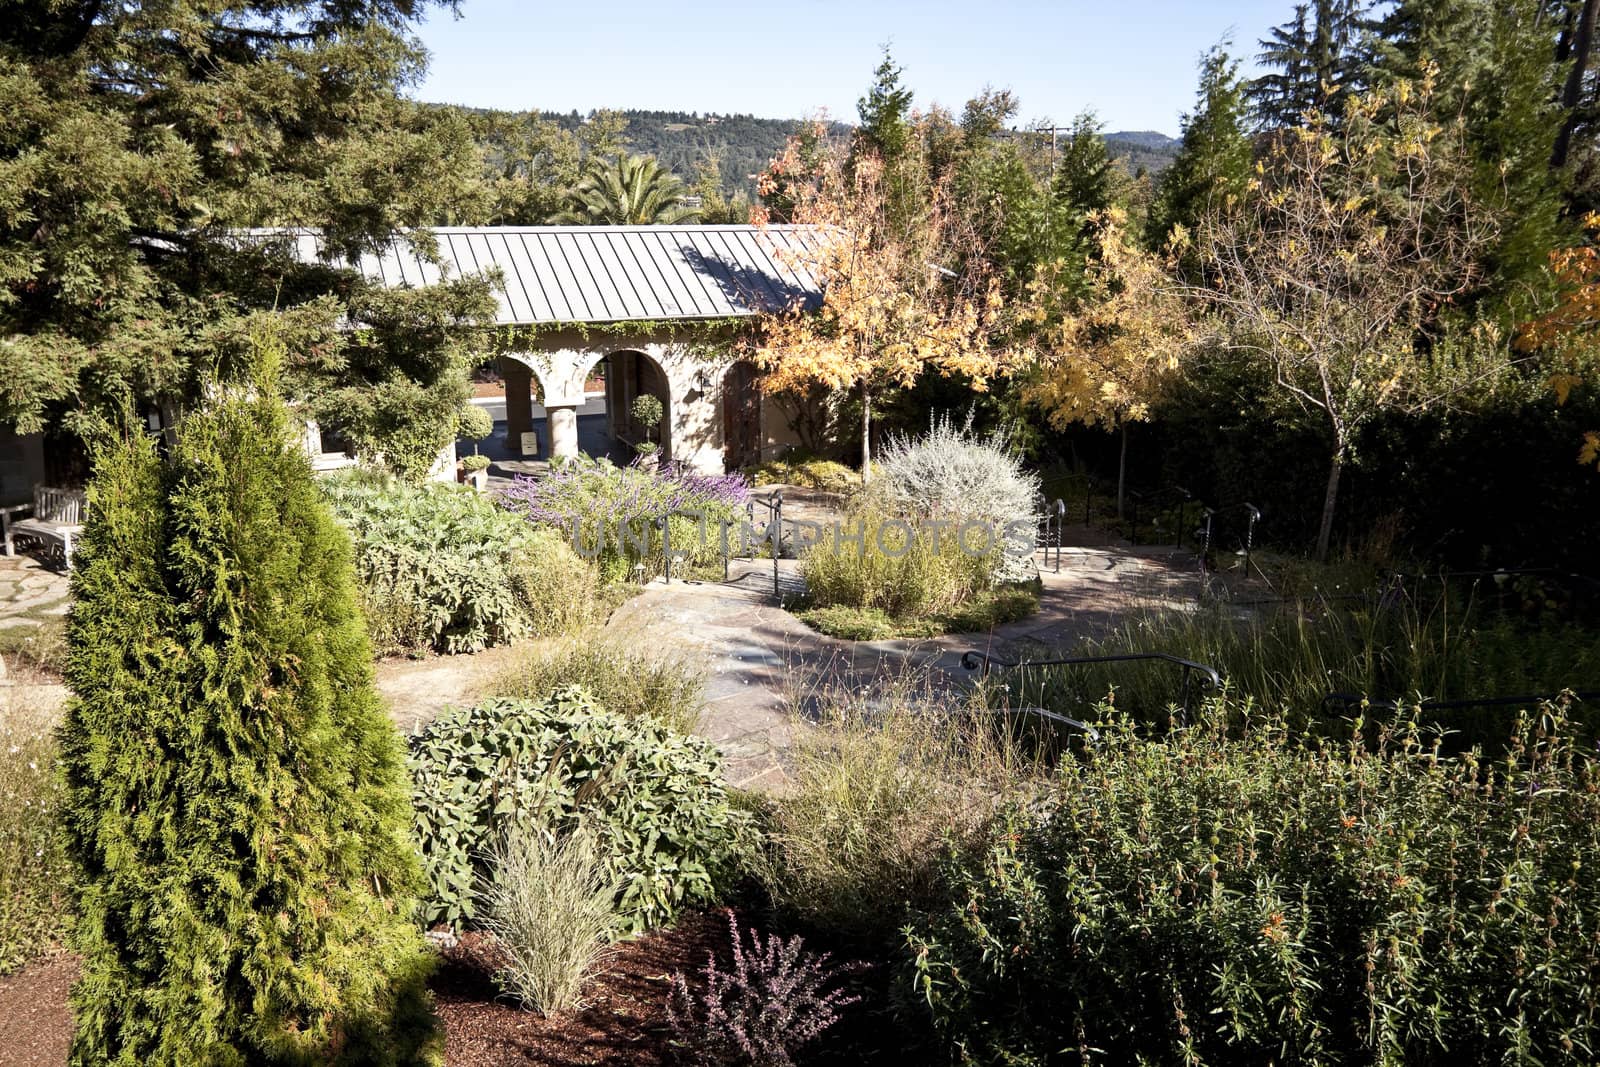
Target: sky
[{"x": 1133, "y": 63}]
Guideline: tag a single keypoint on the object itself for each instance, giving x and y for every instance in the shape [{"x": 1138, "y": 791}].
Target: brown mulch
[
  {"x": 35, "y": 1023},
  {"x": 621, "y": 1020}
]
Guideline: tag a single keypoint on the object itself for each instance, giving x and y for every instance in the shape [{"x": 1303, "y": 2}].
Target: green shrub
[
  {"x": 551, "y": 906},
  {"x": 826, "y": 475},
  {"x": 655, "y": 800},
  {"x": 235, "y": 792},
  {"x": 921, "y": 579},
  {"x": 34, "y": 871},
  {"x": 624, "y": 677},
  {"x": 443, "y": 569},
  {"x": 1222, "y": 896},
  {"x": 475, "y": 463}
]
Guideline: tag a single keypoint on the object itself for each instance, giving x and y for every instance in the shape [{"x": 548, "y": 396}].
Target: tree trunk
[
  {"x": 1122, "y": 470},
  {"x": 1329, "y": 502},
  {"x": 866, "y": 434},
  {"x": 1572, "y": 93}
]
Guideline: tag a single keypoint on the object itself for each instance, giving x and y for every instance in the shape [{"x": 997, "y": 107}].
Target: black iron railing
[{"x": 1210, "y": 679}]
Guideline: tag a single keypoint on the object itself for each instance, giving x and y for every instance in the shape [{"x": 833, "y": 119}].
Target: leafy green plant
[
  {"x": 551, "y": 906},
  {"x": 443, "y": 569},
  {"x": 475, "y": 462},
  {"x": 1230, "y": 894},
  {"x": 654, "y": 800},
  {"x": 34, "y": 872},
  {"x": 627, "y": 678},
  {"x": 647, "y": 411}
]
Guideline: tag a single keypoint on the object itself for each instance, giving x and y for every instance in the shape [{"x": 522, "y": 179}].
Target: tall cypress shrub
[{"x": 237, "y": 803}]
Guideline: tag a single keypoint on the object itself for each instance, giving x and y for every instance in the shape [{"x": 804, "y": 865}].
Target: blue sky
[{"x": 1132, "y": 61}]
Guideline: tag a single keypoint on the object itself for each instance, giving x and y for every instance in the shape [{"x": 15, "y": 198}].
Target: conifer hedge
[{"x": 237, "y": 802}]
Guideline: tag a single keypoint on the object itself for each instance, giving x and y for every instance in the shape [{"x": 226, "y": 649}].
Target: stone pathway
[
  {"x": 31, "y": 591},
  {"x": 766, "y": 668}
]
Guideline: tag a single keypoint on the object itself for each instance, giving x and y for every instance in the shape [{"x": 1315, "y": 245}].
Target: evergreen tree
[
  {"x": 1213, "y": 164},
  {"x": 136, "y": 138},
  {"x": 1317, "y": 61},
  {"x": 237, "y": 801},
  {"x": 1085, "y": 178},
  {"x": 1495, "y": 65},
  {"x": 885, "y": 113}
]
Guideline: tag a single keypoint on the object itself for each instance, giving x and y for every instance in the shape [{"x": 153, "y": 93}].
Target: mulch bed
[{"x": 622, "y": 1018}]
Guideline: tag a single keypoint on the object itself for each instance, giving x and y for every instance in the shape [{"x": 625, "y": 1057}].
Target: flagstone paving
[{"x": 766, "y": 666}]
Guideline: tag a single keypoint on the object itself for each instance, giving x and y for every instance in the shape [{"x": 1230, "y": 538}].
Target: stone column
[
  {"x": 563, "y": 423},
  {"x": 519, "y": 401}
]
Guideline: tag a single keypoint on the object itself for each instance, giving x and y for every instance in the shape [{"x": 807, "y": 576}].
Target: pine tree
[
  {"x": 1495, "y": 64},
  {"x": 134, "y": 137},
  {"x": 237, "y": 803},
  {"x": 1212, "y": 167},
  {"x": 885, "y": 113},
  {"x": 1085, "y": 178},
  {"x": 1317, "y": 61}
]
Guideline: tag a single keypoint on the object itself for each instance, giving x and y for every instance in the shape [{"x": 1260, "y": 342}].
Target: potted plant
[
  {"x": 474, "y": 469},
  {"x": 647, "y": 412}
]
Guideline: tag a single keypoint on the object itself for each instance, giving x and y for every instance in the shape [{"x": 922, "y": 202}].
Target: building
[{"x": 639, "y": 304}]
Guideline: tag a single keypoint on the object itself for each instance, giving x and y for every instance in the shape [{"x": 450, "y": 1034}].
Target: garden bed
[{"x": 622, "y": 1018}]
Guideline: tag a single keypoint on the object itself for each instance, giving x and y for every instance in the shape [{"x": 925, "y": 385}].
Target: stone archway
[{"x": 629, "y": 374}]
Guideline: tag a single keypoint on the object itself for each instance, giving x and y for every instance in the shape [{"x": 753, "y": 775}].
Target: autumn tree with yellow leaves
[
  {"x": 1566, "y": 337},
  {"x": 1356, "y": 241},
  {"x": 1104, "y": 357},
  {"x": 901, "y": 296}
]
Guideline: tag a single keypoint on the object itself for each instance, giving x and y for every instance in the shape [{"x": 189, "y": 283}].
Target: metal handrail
[{"x": 973, "y": 659}]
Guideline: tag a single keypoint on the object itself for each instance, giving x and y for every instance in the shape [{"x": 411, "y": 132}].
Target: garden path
[{"x": 767, "y": 669}]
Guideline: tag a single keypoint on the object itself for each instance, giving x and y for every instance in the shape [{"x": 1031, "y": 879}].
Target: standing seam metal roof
[{"x": 573, "y": 274}]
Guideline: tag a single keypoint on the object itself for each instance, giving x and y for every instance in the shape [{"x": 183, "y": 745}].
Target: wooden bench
[{"x": 57, "y": 517}]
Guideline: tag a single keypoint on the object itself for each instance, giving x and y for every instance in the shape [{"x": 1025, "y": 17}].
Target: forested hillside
[{"x": 742, "y": 145}]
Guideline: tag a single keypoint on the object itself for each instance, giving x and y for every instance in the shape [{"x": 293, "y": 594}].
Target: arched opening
[
  {"x": 629, "y": 375},
  {"x": 741, "y": 416}
]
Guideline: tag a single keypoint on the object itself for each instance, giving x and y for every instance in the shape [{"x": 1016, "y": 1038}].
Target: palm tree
[{"x": 626, "y": 191}]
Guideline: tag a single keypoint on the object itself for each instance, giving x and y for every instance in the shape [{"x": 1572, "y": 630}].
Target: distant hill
[
  {"x": 744, "y": 144},
  {"x": 1143, "y": 148}
]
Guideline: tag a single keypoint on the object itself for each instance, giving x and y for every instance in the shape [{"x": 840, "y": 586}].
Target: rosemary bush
[{"x": 1230, "y": 894}]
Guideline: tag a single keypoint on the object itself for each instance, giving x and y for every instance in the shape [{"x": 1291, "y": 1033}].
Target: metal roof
[{"x": 558, "y": 274}]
